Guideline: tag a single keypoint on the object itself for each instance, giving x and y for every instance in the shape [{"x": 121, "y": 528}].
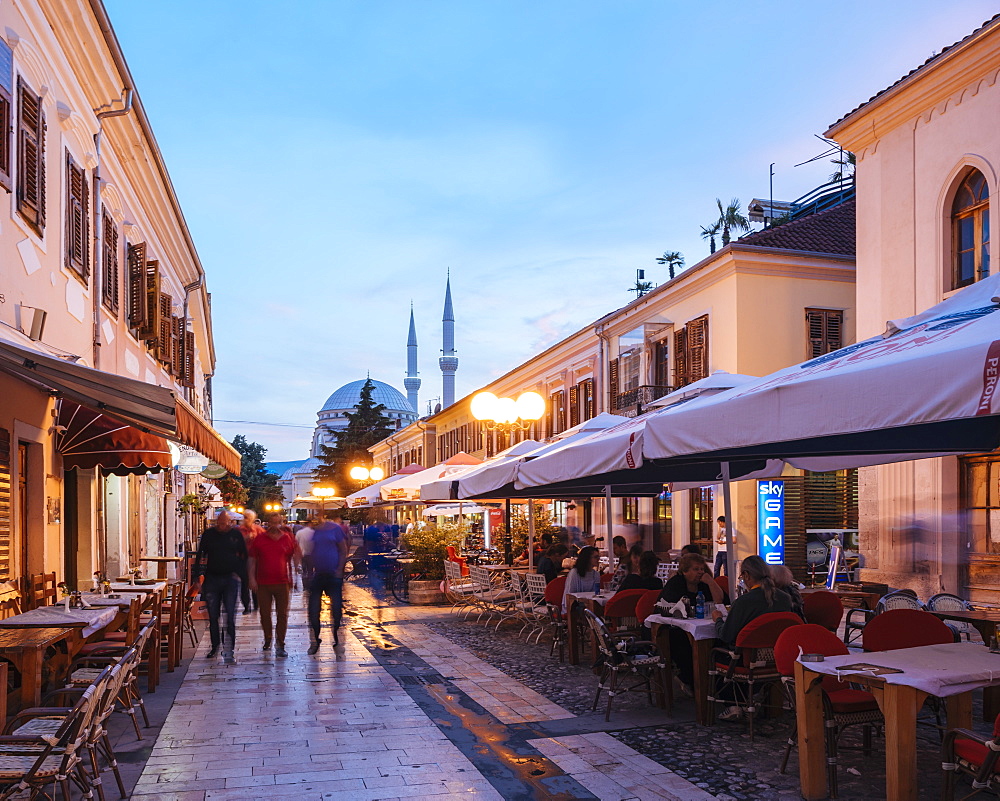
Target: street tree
[
  {"x": 261, "y": 485},
  {"x": 673, "y": 259},
  {"x": 731, "y": 219},
  {"x": 366, "y": 425},
  {"x": 641, "y": 287},
  {"x": 709, "y": 232}
]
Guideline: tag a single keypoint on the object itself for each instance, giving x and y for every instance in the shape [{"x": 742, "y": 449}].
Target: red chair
[
  {"x": 750, "y": 664},
  {"x": 972, "y": 754},
  {"x": 723, "y": 582},
  {"x": 454, "y": 557},
  {"x": 823, "y": 608},
  {"x": 606, "y": 579},
  {"x": 646, "y": 605},
  {"x": 554, "y": 592},
  {"x": 904, "y": 628},
  {"x": 619, "y": 611},
  {"x": 842, "y": 705}
]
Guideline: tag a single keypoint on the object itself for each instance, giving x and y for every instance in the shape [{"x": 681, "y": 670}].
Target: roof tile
[{"x": 830, "y": 231}]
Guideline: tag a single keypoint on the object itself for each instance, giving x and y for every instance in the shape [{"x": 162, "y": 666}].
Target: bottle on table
[{"x": 699, "y": 606}]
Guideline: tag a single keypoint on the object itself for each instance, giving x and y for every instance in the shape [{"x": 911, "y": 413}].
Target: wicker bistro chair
[
  {"x": 534, "y": 593},
  {"x": 823, "y": 608},
  {"x": 620, "y": 611},
  {"x": 626, "y": 658},
  {"x": 521, "y": 606},
  {"x": 946, "y": 602},
  {"x": 973, "y": 755},
  {"x": 857, "y": 619},
  {"x": 496, "y": 598},
  {"x": 842, "y": 705},
  {"x": 35, "y": 762},
  {"x": 553, "y": 602},
  {"x": 458, "y": 589},
  {"x": 664, "y": 570},
  {"x": 45, "y": 721},
  {"x": 749, "y": 668}
]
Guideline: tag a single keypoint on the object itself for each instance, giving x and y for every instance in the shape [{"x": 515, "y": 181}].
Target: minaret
[
  {"x": 411, "y": 382},
  {"x": 448, "y": 361}
]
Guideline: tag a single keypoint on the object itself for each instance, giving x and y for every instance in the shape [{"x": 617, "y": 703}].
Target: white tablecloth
[
  {"x": 56, "y": 616},
  {"x": 703, "y": 629},
  {"x": 124, "y": 586},
  {"x": 601, "y": 599},
  {"x": 940, "y": 670}
]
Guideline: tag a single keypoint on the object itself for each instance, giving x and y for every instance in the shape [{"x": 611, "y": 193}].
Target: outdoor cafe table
[
  {"x": 25, "y": 650},
  {"x": 701, "y": 632},
  {"x": 150, "y": 595},
  {"x": 985, "y": 621},
  {"x": 151, "y": 586},
  {"x": 88, "y": 621},
  {"x": 949, "y": 671},
  {"x": 595, "y": 603},
  {"x": 161, "y": 563}
]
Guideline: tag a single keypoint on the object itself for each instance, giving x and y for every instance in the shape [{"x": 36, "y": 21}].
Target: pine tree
[
  {"x": 366, "y": 425},
  {"x": 260, "y": 484}
]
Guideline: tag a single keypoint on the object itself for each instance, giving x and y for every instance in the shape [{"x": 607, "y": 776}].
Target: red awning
[{"x": 92, "y": 439}]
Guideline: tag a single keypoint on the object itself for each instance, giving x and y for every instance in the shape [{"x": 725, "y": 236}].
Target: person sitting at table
[
  {"x": 619, "y": 547},
  {"x": 762, "y": 597},
  {"x": 550, "y": 565},
  {"x": 785, "y": 581},
  {"x": 687, "y": 583},
  {"x": 691, "y": 548},
  {"x": 644, "y": 576},
  {"x": 584, "y": 576}
]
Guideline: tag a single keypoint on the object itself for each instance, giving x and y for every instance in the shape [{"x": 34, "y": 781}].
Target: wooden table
[
  {"x": 588, "y": 601},
  {"x": 985, "y": 621},
  {"x": 124, "y": 586},
  {"x": 701, "y": 633},
  {"x": 25, "y": 650},
  {"x": 949, "y": 671},
  {"x": 161, "y": 563},
  {"x": 88, "y": 621}
]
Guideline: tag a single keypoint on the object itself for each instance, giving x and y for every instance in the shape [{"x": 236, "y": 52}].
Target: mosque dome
[{"x": 348, "y": 396}]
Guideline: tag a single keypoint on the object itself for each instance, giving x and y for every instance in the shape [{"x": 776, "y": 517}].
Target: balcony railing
[{"x": 633, "y": 402}]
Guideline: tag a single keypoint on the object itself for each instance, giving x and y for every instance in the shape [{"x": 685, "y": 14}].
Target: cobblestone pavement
[{"x": 398, "y": 710}]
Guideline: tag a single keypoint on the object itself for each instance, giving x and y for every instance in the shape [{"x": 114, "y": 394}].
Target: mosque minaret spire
[
  {"x": 411, "y": 383},
  {"x": 448, "y": 361}
]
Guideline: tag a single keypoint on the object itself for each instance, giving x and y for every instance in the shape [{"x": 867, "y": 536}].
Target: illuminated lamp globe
[
  {"x": 484, "y": 405},
  {"x": 324, "y": 492},
  {"x": 505, "y": 411},
  {"x": 359, "y": 473},
  {"x": 530, "y": 406},
  {"x": 376, "y": 474}
]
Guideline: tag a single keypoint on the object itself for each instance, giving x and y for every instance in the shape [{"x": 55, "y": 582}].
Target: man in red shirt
[{"x": 270, "y": 570}]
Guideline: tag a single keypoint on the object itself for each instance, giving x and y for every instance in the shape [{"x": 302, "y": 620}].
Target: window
[
  {"x": 585, "y": 392},
  {"x": 557, "y": 412},
  {"x": 109, "y": 263},
  {"x": 691, "y": 352},
  {"x": 661, "y": 363},
  {"x": 6, "y": 107},
  {"x": 77, "y": 219},
  {"x": 970, "y": 220},
  {"x": 574, "y": 406},
  {"x": 630, "y": 511},
  {"x": 824, "y": 331},
  {"x": 30, "y": 157}
]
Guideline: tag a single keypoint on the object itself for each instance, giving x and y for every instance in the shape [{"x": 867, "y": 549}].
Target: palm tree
[
  {"x": 673, "y": 259},
  {"x": 709, "y": 232},
  {"x": 641, "y": 287},
  {"x": 731, "y": 219},
  {"x": 845, "y": 163}
]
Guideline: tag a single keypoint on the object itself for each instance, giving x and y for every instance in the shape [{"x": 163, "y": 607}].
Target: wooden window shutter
[
  {"x": 825, "y": 331},
  {"x": 109, "y": 263},
  {"x": 177, "y": 346},
  {"x": 137, "y": 285},
  {"x": 165, "y": 334},
  {"x": 30, "y": 157},
  {"x": 187, "y": 376},
  {"x": 574, "y": 406},
  {"x": 587, "y": 399},
  {"x": 613, "y": 385},
  {"x": 77, "y": 219},
  {"x": 6, "y": 520},
  {"x": 6, "y": 130},
  {"x": 150, "y": 329},
  {"x": 697, "y": 346},
  {"x": 680, "y": 358}
]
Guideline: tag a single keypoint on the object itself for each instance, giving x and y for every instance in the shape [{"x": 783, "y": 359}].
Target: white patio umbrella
[
  {"x": 407, "y": 488},
  {"x": 452, "y": 509},
  {"x": 444, "y": 488}
]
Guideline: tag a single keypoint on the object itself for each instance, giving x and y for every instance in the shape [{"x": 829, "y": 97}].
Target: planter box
[{"x": 426, "y": 592}]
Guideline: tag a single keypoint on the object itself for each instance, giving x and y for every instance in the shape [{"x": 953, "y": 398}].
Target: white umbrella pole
[
  {"x": 727, "y": 505},
  {"x": 461, "y": 522},
  {"x": 608, "y": 535},
  {"x": 531, "y": 535}
]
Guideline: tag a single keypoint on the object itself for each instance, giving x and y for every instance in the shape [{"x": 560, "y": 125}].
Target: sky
[{"x": 335, "y": 158}]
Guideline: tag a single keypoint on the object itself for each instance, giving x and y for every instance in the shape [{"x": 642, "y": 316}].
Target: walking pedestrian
[
  {"x": 327, "y": 551},
  {"x": 221, "y": 560},
  {"x": 250, "y": 529},
  {"x": 722, "y": 547},
  {"x": 302, "y": 540},
  {"x": 270, "y": 570}
]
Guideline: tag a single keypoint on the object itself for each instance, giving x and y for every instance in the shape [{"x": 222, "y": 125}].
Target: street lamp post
[
  {"x": 323, "y": 493},
  {"x": 367, "y": 475},
  {"x": 509, "y": 415}
]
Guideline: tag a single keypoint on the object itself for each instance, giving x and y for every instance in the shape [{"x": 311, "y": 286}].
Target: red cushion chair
[
  {"x": 619, "y": 611},
  {"x": 842, "y": 705},
  {"x": 646, "y": 605},
  {"x": 823, "y": 608},
  {"x": 454, "y": 557},
  {"x": 966, "y": 752},
  {"x": 723, "y": 582},
  {"x": 904, "y": 628},
  {"x": 606, "y": 579},
  {"x": 554, "y": 591}
]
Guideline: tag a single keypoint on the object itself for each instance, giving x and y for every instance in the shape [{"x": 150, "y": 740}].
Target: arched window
[{"x": 970, "y": 220}]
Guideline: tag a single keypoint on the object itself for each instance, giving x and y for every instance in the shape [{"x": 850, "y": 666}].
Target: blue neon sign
[{"x": 771, "y": 521}]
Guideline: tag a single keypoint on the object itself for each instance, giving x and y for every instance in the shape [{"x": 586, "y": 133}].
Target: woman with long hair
[{"x": 584, "y": 576}]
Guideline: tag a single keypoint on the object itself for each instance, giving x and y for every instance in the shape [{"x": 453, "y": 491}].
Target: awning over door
[
  {"x": 148, "y": 407},
  {"x": 89, "y": 439}
]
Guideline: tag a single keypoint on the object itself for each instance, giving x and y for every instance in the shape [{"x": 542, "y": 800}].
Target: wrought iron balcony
[{"x": 633, "y": 402}]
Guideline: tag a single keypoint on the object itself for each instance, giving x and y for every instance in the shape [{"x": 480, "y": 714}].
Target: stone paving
[{"x": 398, "y": 710}]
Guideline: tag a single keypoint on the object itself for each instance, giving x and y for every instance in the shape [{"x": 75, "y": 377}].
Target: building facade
[{"x": 927, "y": 168}]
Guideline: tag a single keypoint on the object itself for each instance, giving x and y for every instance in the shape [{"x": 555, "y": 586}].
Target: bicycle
[{"x": 399, "y": 580}]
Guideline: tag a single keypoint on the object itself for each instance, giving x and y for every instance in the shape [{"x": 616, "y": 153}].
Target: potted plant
[{"x": 429, "y": 546}]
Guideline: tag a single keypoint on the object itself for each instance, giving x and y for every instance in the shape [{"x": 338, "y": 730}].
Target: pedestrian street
[{"x": 395, "y": 711}]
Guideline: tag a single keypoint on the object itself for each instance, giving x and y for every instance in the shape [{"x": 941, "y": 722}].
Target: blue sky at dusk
[{"x": 334, "y": 159}]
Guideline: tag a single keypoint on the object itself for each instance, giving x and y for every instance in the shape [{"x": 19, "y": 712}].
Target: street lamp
[
  {"x": 272, "y": 507},
  {"x": 323, "y": 493},
  {"x": 359, "y": 473}
]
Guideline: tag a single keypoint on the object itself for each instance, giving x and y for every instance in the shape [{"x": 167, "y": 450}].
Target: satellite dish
[{"x": 213, "y": 470}]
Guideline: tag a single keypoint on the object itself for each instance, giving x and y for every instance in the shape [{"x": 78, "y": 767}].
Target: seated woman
[
  {"x": 627, "y": 566},
  {"x": 584, "y": 576},
  {"x": 644, "y": 578},
  {"x": 550, "y": 565},
  {"x": 785, "y": 581},
  {"x": 687, "y": 583},
  {"x": 761, "y": 598}
]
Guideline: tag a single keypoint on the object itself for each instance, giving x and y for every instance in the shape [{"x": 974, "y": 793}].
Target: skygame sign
[{"x": 771, "y": 521}]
